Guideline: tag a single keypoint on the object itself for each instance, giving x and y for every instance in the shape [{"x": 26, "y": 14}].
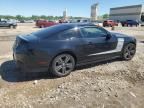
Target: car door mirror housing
[{"x": 108, "y": 36}]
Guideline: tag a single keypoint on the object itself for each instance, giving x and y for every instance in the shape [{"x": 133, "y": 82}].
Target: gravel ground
[{"x": 111, "y": 84}]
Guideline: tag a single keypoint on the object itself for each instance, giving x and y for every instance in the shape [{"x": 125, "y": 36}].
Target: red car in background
[
  {"x": 44, "y": 23},
  {"x": 109, "y": 23}
]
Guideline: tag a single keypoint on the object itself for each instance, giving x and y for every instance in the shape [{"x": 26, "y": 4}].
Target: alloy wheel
[
  {"x": 63, "y": 64},
  {"x": 129, "y": 51}
]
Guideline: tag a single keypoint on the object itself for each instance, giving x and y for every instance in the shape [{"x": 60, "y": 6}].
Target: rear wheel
[
  {"x": 10, "y": 26},
  {"x": 14, "y": 27},
  {"x": 129, "y": 51},
  {"x": 63, "y": 65},
  {"x": 42, "y": 26}
]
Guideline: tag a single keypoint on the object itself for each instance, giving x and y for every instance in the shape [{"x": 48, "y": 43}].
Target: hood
[
  {"x": 119, "y": 35},
  {"x": 127, "y": 37}
]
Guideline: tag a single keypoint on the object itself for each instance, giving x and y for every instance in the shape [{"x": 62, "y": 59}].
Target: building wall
[
  {"x": 94, "y": 12},
  {"x": 125, "y": 17},
  {"x": 126, "y": 13},
  {"x": 65, "y": 14},
  {"x": 143, "y": 9},
  {"x": 142, "y": 16}
]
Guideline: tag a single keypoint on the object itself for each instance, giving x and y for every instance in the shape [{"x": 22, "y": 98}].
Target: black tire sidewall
[
  {"x": 10, "y": 26},
  {"x": 123, "y": 56},
  {"x": 56, "y": 74},
  {"x": 14, "y": 27}
]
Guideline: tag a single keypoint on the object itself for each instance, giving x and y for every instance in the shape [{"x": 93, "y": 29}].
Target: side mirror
[{"x": 108, "y": 36}]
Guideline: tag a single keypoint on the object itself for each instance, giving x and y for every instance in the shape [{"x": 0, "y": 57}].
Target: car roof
[{"x": 77, "y": 24}]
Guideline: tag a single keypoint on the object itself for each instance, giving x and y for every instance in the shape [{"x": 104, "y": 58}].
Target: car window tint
[
  {"x": 68, "y": 34},
  {"x": 3, "y": 21},
  {"x": 49, "y": 31},
  {"x": 92, "y": 32}
]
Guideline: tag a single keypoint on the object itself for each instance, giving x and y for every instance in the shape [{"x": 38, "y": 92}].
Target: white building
[
  {"x": 94, "y": 12},
  {"x": 65, "y": 14},
  {"x": 134, "y": 12}
]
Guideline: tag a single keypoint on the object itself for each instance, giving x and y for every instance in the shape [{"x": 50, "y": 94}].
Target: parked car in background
[
  {"x": 97, "y": 23},
  {"x": 129, "y": 23},
  {"x": 142, "y": 23},
  {"x": 83, "y": 21},
  {"x": 45, "y": 23},
  {"x": 22, "y": 21},
  {"x": 62, "y": 47},
  {"x": 110, "y": 23},
  {"x": 29, "y": 21},
  {"x": 10, "y": 24},
  {"x": 79, "y": 21},
  {"x": 26, "y": 21},
  {"x": 63, "y": 21}
]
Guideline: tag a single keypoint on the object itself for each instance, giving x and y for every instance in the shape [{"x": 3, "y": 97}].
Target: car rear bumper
[{"x": 28, "y": 63}]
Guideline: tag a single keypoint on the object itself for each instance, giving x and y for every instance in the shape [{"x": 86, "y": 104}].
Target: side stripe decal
[{"x": 118, "y": 48}]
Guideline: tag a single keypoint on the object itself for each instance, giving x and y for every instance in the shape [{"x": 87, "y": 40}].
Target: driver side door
[{"x": 96, "y": 43}]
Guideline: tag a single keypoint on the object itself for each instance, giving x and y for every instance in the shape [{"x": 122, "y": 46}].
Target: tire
[
  {"x": 42, "y": 26},
  {"x": 14, "y": 27},
  {"x": 129, "y": 51},
  {"x": 62, "y": 65},
  {"x": 10, "y": 26}
]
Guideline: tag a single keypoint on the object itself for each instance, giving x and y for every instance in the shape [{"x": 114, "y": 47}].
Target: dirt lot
[{"x": 111, "y": 84}]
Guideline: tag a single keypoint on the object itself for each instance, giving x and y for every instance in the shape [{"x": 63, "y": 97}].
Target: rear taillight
[
  {"x": 20, "y": 45},
  {"x": 20, "y": 42}
]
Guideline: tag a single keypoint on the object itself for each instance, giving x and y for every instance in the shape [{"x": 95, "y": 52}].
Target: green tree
[
  {"x": 19, "y": 17},
  {"x": 105, "y": 16}
]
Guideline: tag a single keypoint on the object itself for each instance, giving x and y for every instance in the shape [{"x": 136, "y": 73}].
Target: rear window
[{"x": 46, "y": 32}]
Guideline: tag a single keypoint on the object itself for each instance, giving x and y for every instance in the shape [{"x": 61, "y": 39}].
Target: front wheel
[
  {"x": 10, "y": 26},
  {"x": 42, "y": 26},
  {"x": 129, "y": 51},
  {"x": 63, "y": 65}
]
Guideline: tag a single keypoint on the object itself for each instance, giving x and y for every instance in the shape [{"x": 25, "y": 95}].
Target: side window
[
  {"x": 3, "y": 22},
  {"x": 93, "y": 32},
  {"x": 68, "y": 34}
]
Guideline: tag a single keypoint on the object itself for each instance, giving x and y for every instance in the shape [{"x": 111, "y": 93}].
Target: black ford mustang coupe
[{"x": 58, "y": 49}]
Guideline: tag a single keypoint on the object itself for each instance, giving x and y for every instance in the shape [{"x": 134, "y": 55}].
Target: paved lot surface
[
  {"x": 23, "y": 28},
  {"x": 111, "y": 84}
]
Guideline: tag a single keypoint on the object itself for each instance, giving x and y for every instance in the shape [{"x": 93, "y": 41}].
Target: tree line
[{"x": 36, "y": 17}]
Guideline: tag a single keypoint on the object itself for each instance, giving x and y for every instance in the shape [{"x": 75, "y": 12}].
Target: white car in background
[
  {"x": 28, "y": 21},
  {"x": 79, "y": 20},
  {"x": 98, "y": 23},
  {"x": 142, "y": 23}
]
